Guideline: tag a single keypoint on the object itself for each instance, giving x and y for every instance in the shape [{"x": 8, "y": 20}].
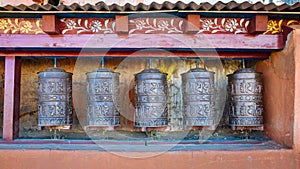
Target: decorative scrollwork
[
  {"x": 224, "y": 25},
  {"x": 79, "y": 26},
  {"x": 156, "y": 25},
  {"x": 275, "y": 26}
]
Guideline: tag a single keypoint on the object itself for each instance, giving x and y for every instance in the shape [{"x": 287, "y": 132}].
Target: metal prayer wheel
[
  {"x": 103, "y": 98},
  {"x": 198, "y": 94},
  {"x": 245, "y": 98},
  {"x": 151, "y": 99},
  {"x": 55, "y": 98}
]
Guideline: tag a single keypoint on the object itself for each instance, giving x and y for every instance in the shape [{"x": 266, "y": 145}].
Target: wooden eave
[{"x": 189, "y": 43}]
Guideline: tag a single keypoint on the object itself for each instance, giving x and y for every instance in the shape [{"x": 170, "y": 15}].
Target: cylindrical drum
[
  {"x": 245, "y": 98},
  {"x": 103, "y": 98},
  {"x": 198, "y": 98},
  {"x": 151, "y": 99},
  {"x": 55, "y": 98}
]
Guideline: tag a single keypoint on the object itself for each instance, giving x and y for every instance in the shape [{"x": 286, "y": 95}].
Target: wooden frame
[
  {"x": 190, "y": 42},
  {"x": 11, "y": 98}
]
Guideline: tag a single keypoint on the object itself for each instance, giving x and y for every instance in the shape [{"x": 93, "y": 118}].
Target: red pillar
[{"x": 11, "y": 98}]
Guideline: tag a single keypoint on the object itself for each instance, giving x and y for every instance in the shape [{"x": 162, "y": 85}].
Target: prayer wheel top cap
[
  {"x": 102, "y": 70},
  {"x": 198, "y": 70},
  {"x": 55, "y": 69},
  {"x": 245, "y": 70},
  {"x": 150, "y": 71},
  {"x": 201, "y": 71}
]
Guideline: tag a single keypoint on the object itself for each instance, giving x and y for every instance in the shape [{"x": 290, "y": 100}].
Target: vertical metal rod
[
  {"x": 197, "y": 63},
  {"x": 243, "y": 62},
  {"x": 102, "y": 62},
  {"x": 150, "y": 63},
  {"x": 54, "y": 62}
]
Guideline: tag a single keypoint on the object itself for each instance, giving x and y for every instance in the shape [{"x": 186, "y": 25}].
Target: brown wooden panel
[
  {"x": 11, "y": 98},
  {"x": 258, "y": 24},
  {"x": 49, "y": 24},
  {"x": 121, "y": 24},
  {"x": 193, "y": 23}
]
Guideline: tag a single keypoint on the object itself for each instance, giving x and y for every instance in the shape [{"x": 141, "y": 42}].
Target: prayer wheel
[
  {"x": 245, "y": 98},
  {"x": 198, "y": 94},
  {"x": 151, "y": 99},
  {"x": 55, "y": 98},
  {"x": 103, "y": 98}
]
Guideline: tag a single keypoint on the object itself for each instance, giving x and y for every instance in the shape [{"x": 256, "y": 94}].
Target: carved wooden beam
[
  {"x": 193, "y": 23},
  {"x": 140, "y": 53},
  {"x": 142, "y": 41},
  {"x": 121, "y": 24},
  {"x": 258, "y": 24},
  {"x": 49, "y": 25}
]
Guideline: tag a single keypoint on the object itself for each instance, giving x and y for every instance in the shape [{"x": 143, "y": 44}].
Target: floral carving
[
  {"x": 155, "y": 25},
  {"x": 79, "y": 26},
  {"x": 223, "y": 25},
  {"x": 275, "y": 26},
  {"x": 23, "y": 26}
]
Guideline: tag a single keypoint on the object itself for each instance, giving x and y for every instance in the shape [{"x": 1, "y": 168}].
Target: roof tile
[{"x": 154, "y": 6}]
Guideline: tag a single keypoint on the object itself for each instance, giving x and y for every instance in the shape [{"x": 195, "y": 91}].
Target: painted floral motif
[
  {"x": 3, "y": 23},
  {"x": 155, "y": 25},
  {"x": 231, "y": 25},
  {"x": 95, "y": 26},
  {"x": 79, "y": 26},
  {"x": 70, "y": 24},
  {"x": 223, "y": 25},
  {"x": 23, "y": 26},
  {"x": 275, "y": 26}
]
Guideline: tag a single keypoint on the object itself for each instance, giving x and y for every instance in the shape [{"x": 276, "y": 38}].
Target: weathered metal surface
[
  {"x": 103, "y": 98},
  {"x": 245, "y": 98},
  {"x": 198, "y": 98},
  {"x": 55, "y": 98},
  {"x": 151, "y": 99}
]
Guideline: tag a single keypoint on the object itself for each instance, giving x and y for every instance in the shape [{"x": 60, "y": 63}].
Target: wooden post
[{"x": 11, "y": 98}]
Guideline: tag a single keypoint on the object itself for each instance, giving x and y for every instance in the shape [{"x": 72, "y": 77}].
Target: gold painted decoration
[
  {"x": 20, "y": 26},
  {"x": 275, "y": 26}
]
